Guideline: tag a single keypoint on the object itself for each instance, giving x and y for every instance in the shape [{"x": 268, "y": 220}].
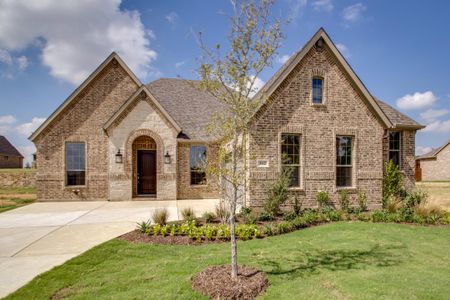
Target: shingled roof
[
  {"x": 189, "y": 106},
  {"x": 6, "y": 148},
  {"x": 397, "y": 118},
  {"x": 433, "y": 153}
]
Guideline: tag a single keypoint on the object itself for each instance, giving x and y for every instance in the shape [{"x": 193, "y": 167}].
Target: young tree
[{"x": 232, "y": 77}]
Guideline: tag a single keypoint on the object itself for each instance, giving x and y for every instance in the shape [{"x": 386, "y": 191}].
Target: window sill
[
  {"x": 318, "y": 104},
  {"x": 296, "y": 189},
  {"x": 196, "y": 186},
  {"x": 75, "y": 187}
]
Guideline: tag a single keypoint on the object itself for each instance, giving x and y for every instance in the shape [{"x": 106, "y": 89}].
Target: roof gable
[
  {"x": 295, "y": 59},
  {"x": 130, "y": 101},
  {"x": 433, "y": 153},
  {"x": 112, "y": 57},
  {"x": 7, "y": 148}
]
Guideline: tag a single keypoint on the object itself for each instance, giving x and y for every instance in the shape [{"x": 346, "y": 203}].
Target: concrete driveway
[{"x": 37, "y": 237}]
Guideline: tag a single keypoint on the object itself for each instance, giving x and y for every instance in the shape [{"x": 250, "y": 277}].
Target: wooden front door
[{"x": 146, "y": 172}]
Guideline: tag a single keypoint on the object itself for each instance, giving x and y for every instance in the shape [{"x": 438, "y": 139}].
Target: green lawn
[
  {"x": 335, "y": 261},
  {"x": 11, "y": 198}
]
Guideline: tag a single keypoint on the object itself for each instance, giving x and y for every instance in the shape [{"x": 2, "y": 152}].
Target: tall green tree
[{"x": 232, "y": 76}]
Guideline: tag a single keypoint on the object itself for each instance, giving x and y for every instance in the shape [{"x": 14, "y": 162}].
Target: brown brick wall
[
  {"x": 184, "y": 188},
  {"x": 10, "y": 162},
  {"x": 437, "y": 169},
  {"x": 82, "y": 121},
  {"x": 344, "y": 113}
]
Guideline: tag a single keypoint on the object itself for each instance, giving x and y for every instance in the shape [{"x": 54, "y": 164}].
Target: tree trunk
[{"x": 234, "y": 266}]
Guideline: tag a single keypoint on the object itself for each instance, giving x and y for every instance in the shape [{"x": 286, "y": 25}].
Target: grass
[
  {"x": 438, "y": 191},
  {"x": 335, "y": 261},
  {"x": 11, "y": 198}
]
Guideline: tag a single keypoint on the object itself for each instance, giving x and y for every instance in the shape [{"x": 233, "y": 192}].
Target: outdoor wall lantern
[
  {"x": 118, "y": 157},
  {"x": 167, "y": 159}
]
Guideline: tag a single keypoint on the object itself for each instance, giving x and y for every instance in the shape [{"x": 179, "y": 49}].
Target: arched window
[{"x": 317, "y": 90}]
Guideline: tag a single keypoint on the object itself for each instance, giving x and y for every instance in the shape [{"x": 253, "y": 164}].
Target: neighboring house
[
  {"x": 117, "y": 139},
  {"x": 10, "y": 158},
  {"x": 434, "y": 165}
]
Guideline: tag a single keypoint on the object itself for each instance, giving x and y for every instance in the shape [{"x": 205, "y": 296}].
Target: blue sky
[{"x": 398, "y": 48}]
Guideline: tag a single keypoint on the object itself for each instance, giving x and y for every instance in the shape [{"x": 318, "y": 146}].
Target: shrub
[
  {"x": 430, "y": 214},
  {"x": 392, "y": 182},
  {"x": 362, "y": 200},
  {"x": 415, "y": 198},
  {"x": 297, "y": 205},
  {"x": 278, "y": 192},
  {"x": 247, "y": 217},
  {"x": 187, "y": 214},
  {"x": 268, "y": 230},
  {"x": 333, "y": 215},
  {"x": 284, "y": 227},
  {"x": 379, "y": 216},
  {"x": 265, "y": 216},
  {"x": 311, "y": 217},
  {"x": 245, "y": 232},
  {"x": 289, "y": 216},
  {"x": 323, "y": 199},
  {"x": 300, "y": 222},
  {"x": 222, "y": 213},
  {"x": 343, "y": 200},
  {"x": 209, "y": 217},
  {"x": 393, "y": 204},
  {"x": 143, "y": 226},
  {"x": 160, "y": 216}
]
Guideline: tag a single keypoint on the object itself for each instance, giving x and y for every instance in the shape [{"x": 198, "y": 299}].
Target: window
[
  {"x": 394, "y": 147},
  {"x": 290, "y": 156},
  {"x": 197, "y": 165},
  {"x": 344, "y": 161},
  {"x": 317, "y": 90},
  {"x": 75, "y": 164}
]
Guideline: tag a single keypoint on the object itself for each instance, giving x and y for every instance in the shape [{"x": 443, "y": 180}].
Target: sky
[{"x": 400, "y": 50}]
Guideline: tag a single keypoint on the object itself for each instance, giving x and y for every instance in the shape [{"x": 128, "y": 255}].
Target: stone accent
[
  {"x": 82, "y": 121},
  {"x": 436, "y": 168},
  {"x": 185, "y": 189},
  {"x": 345, "y": 112},
  {"x": 142, "y": 118},
  {"x": 18, "y": 178}
]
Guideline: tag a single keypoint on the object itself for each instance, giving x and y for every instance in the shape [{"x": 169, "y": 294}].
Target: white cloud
[
  {"x": 179, "y": 64},
  {"x": 296, "y": 8},
  {"x": 344, "y": 50},
  {"x": 432, "y": 115},
  {"x": 258, "y": 83},
  {"x": 27, "y": 152},
  {"x": 323, "y": 5},
  {"x": 172, "y": 18},
  {"x": 417, "y": 100},
  {"x": 27, "y": 129},
  {"x": 22, "y": 61},
  {"x": 353, "y": 13},
  {"x": 7, "y": 119},
  {"x": 5, "y": 57},
  {"x": 422, "y": 150},
  {"x": 282, "y": 59},
  {"x": 438, "y": 127},
  {"x": 77, "y": 35}
]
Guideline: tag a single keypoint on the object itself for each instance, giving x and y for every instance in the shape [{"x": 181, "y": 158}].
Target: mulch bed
[
  {"x": 215, "y": 282},
  {"x": 136, "y": 236}
]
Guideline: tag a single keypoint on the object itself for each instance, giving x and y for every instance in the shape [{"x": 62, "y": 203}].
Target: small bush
[
  {"x": 209, "y": 217},
  {"x": 311, "y": 217},
  {"x": 245, "y": 232},
  {"x": 268, "y": 230},
  {"x": 143, "y": 226},
  {"x": 415, "y": 198},
  {"x": 247, "y": 216},
  {"x": 300, "y": 222},
  {"x": 343, "y": 200},
  {"x": 392, "y": 182},
  {"x": 160, "y": 216},
  {"x": 362, "y": 200},
  {"x": 278, "y": 192},
  {"x": 393, "y": 204},
  {"x": 297, "y": 205},
  {"x": 333, "y": 215},
  {"x": 379, "y": 216},
  {"x": 323, "y": 199},
  {"x": 187, "y": 214},
  {"x": 222, "y": 213},
  {"x": 284, "y": 227},
  {"x": 265, "y": 216},
  {"x": 289, "y": 216}
]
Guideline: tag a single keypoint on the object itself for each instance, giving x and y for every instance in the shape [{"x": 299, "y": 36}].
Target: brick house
[
  {"x": 10, "y": 157},
  {"x": 434, "y": 165},
  {"x": 115, "y": 138}
]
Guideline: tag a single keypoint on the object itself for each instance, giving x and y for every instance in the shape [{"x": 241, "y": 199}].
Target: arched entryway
[{"x": 144, "y": 166}]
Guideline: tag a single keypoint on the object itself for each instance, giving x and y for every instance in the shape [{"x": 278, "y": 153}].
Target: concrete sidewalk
[{"x": 37, "y": 237}]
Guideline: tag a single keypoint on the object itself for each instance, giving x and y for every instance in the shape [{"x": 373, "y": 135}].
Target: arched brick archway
[{"x": 135, "y": 140}]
